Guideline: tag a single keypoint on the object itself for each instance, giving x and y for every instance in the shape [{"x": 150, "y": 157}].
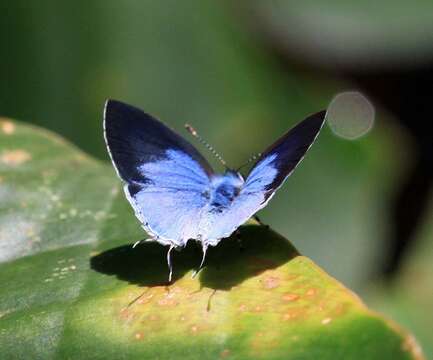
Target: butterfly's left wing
[
  {"x": 166, "y": 179},
  {"x": 271, "y": 169}
]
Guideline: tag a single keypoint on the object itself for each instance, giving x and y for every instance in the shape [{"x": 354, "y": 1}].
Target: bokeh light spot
[{"x": 350, "y": 115}]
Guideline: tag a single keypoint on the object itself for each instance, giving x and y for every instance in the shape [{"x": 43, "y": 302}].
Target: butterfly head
[{"x": 235, "y": 176}]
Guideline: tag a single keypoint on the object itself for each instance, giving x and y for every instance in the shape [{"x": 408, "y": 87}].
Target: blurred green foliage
[
  {"x": 351, "y": 34},
  {"x": 409, "y": 298}
]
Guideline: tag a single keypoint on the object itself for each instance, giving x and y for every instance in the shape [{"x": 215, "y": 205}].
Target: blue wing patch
[{"x": 169, "y": 204}]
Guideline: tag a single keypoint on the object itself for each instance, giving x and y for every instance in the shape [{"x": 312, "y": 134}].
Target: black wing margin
[
  {"x": 134, "y": 138},
  {"x": 285, "y": 154}
]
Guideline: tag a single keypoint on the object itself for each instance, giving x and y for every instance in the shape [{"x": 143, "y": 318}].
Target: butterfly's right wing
[
  {"x": 166, "y": 178},
  {"x": 267, "y": 175},
  {"x": 278, "y": 162}
]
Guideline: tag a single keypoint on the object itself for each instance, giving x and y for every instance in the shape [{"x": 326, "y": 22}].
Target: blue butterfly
[{"x": 174, "y": 191}]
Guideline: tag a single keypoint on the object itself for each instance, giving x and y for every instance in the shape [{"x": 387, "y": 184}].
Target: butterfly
[{"x": 173, "y": 190}]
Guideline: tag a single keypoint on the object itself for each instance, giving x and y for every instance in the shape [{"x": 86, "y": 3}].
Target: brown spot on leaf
[
  {"x": 322, "y": 305},
  {"x": 410, "y": 345},
  {"x": 167, "y": 302},
  {"x": 126, "y": 315},
  {"x": 290, "y": 297},
  {"x": 340, "y": 309},
  {"x": 7, "y": 127},
  {"x": 153, "y": 317},
  {"x": 271, "y": 282},
  {"x": 225, "y": 353},
  {"x": 15, "y": 157},
  {"x": 292, "y": 276},
  {"x": 287, "y": 316},
  {"x": 242, "y": 307},
  {"x": 194, "y": 329},
  {"x": 292, "y": 314}
]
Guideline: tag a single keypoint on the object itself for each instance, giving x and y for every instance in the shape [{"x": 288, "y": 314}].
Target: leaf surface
[{"x": 73, "y": 287}]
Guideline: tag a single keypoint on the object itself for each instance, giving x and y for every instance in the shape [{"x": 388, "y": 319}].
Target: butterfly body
[
  {"x": 174, "y": 191},
  {"x": 223, "y": 190}
]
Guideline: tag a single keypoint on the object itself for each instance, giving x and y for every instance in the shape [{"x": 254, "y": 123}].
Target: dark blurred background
[{"x": 243, "y": 73}]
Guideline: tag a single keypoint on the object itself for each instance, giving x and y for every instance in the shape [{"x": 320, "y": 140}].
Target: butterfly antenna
[
  {"x": 251, "y": 159},
  {"x": 194, "y": 133}
]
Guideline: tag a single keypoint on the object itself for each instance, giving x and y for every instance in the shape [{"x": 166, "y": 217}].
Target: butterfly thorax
[{"x": 224, "y": 189}]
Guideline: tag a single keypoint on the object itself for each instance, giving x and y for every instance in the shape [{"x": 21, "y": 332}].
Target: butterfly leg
[
  {"x": 203, "y": 258},
  {"x": 144, "y": 240},
  {"x": 201, "y": 263},
  {"x": 170, "y": 266},
  {"x": 260, "y": 221}
]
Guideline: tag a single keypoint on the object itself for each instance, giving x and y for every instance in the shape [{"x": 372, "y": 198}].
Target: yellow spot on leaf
[
  {"x": 15, "y": 157},
  {"x": 326, "y": 321},
  {"x": 311, "y": 292},
  {"x": 7, "y": 127},
  {"x": 138, "y": 335}
]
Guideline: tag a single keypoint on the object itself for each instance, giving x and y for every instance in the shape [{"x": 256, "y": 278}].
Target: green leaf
[{"x": 73, "y": 287}]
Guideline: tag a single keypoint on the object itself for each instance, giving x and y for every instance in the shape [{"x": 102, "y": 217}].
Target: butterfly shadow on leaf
[{"x": 227, "y": 265}]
